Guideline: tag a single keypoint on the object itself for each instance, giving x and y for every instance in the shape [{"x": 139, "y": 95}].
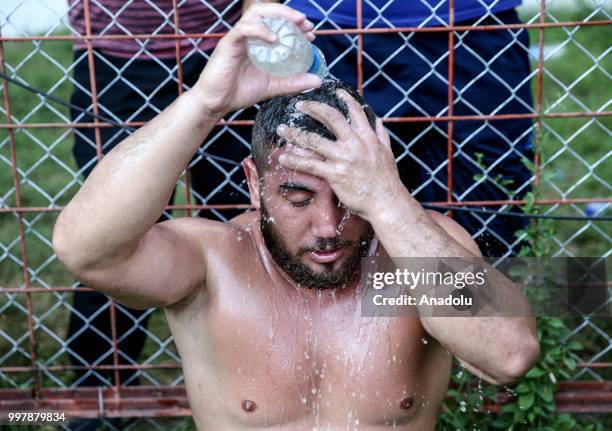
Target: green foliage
[
  {"x": 538, "y": 235},
  {"x": 531, "y": 404},
  {"x": 532, "y": 399},
  {"x": 499, "y": 180},
  {"x": 464, "y": 406}
]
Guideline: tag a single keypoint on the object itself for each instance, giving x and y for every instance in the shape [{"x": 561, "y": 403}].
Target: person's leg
[
  {"x": 492, "y": 77},
  {"x": 88, "y": 339}
]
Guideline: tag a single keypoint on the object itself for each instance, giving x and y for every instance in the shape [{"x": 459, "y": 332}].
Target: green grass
[
  {"x": 59, "y": 185},
  {"x": 587, "y": 137}
]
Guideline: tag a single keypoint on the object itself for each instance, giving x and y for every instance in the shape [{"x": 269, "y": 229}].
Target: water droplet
[{"x": 343, "y": 222}]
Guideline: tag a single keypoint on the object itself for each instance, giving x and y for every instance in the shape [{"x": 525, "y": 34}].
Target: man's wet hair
[{"x": 281, "y": 110}]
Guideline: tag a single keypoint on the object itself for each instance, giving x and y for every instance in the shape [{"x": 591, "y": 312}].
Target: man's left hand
[{"x": 359, "y": 165}]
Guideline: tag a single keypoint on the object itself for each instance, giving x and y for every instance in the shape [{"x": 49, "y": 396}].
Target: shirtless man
[{"x": 265, "y": 309}]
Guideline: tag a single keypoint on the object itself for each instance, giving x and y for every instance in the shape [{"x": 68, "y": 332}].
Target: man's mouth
[{"x": 327, "y": 256}]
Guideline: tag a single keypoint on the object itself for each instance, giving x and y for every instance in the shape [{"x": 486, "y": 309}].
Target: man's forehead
[
  {"x": 293, "y": 149},
  {"x": 283, "y": 176}
]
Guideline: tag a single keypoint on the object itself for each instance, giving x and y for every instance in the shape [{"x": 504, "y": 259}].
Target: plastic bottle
[{"x": 291, "y": 54}]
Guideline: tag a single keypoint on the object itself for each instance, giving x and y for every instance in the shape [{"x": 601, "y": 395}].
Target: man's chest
[{"x": 293, "y": 357}]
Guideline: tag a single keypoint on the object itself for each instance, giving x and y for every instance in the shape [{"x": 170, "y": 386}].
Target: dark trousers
[
  {"x": 407, "y": 76},
  {"x": 137, "y": 90}
]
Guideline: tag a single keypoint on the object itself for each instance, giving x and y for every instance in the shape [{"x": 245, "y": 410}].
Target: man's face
[{"x": 309, "y": 234}]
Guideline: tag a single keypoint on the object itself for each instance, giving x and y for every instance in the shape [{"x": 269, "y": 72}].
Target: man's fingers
[
  {"x": 276, "y": 10},
  {"x": 382, "y": 134},
  {"x": 309, "y": 140},
  {"x": 307, "y": 26},
  {"x": 359, "y": 120},
  {"x": 310, "y": 36},
  {"x": 292, "y": 84},
  {"x": 330, "y": 117},
  {"x": 318, "y": 168},
  {"x": 256, "y": 30},
  {"x": 251, "y": 24}
]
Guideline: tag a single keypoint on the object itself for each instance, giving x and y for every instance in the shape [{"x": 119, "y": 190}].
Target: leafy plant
[
  {"x": 499, "y": 180},
  {"x": 464, "y": 406},
  {"x": 531, "y": 404}
]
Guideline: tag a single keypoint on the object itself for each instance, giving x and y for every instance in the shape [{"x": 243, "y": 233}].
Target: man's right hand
[{"x": 230, "y": 81}]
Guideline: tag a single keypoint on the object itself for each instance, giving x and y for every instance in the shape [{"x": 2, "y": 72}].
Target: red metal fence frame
[{"x": 143, "y": 401}]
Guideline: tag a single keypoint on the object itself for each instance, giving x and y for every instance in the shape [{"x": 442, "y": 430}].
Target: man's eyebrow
[{"x": 295, "y": 186}]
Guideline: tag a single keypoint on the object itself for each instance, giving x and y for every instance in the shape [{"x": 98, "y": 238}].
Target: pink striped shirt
[{"x": 119, "y": 17}]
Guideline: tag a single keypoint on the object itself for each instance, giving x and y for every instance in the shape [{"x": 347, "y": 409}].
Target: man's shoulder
[
  {"x": 193, "y": 227},
  {"x": 224, "y": 246},
  {"x": 455, "y": 230},
  {"x": 208, "y": 230}
]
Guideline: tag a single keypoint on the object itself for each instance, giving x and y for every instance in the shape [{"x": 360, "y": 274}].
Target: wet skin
[
  {"x": 260, "y": 352},
  {"x": 304, "y": 359}
]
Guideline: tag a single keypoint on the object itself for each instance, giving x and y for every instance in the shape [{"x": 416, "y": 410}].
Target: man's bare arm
[
  {"x": 516, "y": 362},
  {"x": 361, "y": 169},
  {"x": 107, "y": 235},
  {"x": 498, "y": 349}
]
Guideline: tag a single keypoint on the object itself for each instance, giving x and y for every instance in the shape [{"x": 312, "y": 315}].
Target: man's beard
[{"x": 302, "y": 274}]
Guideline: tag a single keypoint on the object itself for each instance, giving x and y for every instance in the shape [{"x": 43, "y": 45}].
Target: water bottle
[{"x": 291, "y": 54}]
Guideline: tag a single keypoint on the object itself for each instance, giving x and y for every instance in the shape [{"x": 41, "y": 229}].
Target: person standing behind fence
[
  {"x": 407, "y": 75},
  {"x": 135, "y": 80}
]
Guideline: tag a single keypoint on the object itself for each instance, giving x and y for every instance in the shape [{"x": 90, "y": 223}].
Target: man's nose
[{"x": 327, "y": 219}]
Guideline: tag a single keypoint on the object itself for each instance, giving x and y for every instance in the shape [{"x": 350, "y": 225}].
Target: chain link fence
[{"x": 569, "y": 121}]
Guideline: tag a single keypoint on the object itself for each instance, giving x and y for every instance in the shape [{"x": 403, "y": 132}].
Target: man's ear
[{"x": 252, "y": 178}]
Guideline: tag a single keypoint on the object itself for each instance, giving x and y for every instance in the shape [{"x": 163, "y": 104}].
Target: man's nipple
[
  {"x": 248, "y": 406},
  {"x": 406, "y": 403}
]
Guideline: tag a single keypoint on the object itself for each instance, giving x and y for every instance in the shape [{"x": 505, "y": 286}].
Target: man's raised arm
[
  {"x": 107, "y": 236},
  {"x": 361, "y": 169}
]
